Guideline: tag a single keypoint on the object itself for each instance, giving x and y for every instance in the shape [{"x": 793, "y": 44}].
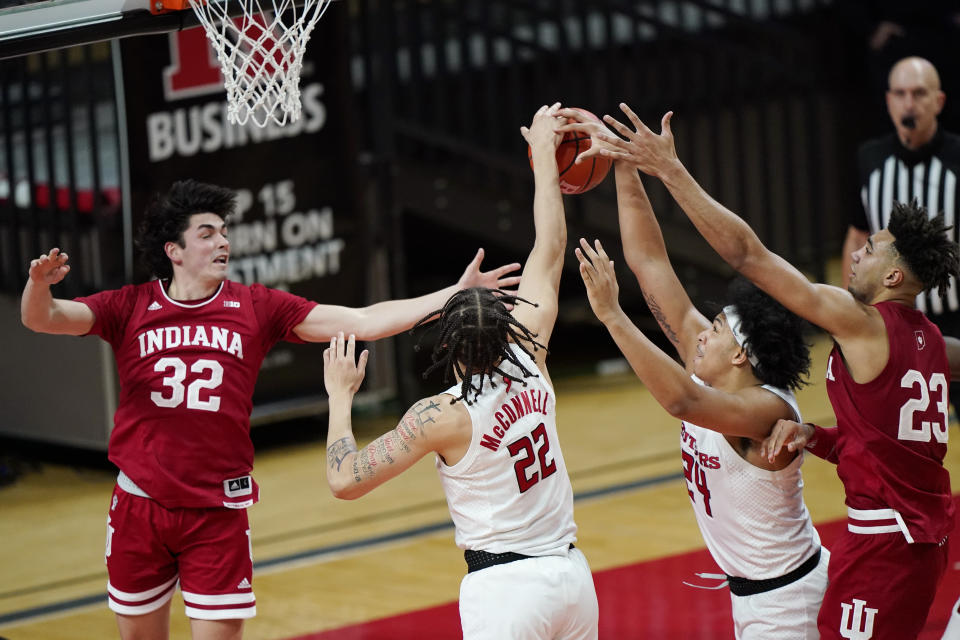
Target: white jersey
[
  {"x": 510, "y": 491},
  {"x": 754, "y": 521}
]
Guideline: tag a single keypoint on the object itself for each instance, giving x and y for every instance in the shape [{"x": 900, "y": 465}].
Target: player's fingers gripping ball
[{"x": 578, "y": 178}]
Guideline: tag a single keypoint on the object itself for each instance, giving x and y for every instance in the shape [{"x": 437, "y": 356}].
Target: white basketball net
[{"x": 260, "y": 55}]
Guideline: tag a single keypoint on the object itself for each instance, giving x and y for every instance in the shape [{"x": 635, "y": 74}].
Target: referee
[{"x": 919, "y": 161}]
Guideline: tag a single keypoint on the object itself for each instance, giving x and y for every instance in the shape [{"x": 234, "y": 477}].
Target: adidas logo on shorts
[
  {"x": 244, "y": 584},
  {"x": 237, "y": 487}
]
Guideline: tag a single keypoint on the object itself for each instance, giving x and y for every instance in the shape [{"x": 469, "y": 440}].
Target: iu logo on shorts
[{"x": 858, "y": 628}]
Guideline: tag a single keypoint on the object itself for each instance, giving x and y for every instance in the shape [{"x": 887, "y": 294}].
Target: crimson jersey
[
  {"x": 187, "y": 374},
  {"x": 892, "y": 431}
]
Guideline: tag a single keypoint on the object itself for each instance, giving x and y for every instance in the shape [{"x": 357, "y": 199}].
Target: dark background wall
[{"x": 771, "y": 99}]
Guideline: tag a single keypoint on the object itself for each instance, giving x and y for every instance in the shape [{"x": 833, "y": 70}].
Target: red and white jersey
[
  {"x": 892, "y": 431},
  {"x": 753, "y": 520},
  {"x": 510, "y": 491},
  {"x": 187, "y": 374}
]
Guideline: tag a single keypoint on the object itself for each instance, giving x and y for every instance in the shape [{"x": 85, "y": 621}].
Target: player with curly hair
[
  {"x": 494, "y": 435},
  {"x": 887, "y": 377},
  {"x": 735, "y": 383},
  {"x": 188, "y": 347}
]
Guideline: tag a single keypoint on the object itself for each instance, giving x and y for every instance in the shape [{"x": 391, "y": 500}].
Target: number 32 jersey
[
  {"x": 187, "y": 373},
  {"x": 892, "y": 431}
]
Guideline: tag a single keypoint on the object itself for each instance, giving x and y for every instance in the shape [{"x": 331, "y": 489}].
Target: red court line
[{"x": 643, "y": 600}]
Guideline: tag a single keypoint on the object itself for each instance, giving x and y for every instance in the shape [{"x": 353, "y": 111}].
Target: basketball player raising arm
[
  {"x": 735, "y": 385},
  {"x": 887, "y": 379},
  {"x": 495, "y": 438},
  {"x": 188, "y": 347},
  {"x": 43, "y": 313},
  {"x": 432, "y": 423}
]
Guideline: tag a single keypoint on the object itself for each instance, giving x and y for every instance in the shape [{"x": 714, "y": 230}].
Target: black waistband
[
  {"x": 745, "y": 587},
  {"x": 477, "y": 560}
]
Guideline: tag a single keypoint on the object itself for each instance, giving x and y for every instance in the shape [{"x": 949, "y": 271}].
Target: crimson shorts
[
  {"x": 880, "y": 587},
  {"x": 150, "y": 547}
]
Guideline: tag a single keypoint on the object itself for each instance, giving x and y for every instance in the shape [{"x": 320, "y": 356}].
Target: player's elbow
[
  {"x": 342, "y": 490},
  {"x": 344, "y": 487},
  {"x": 32, "y": 322}
]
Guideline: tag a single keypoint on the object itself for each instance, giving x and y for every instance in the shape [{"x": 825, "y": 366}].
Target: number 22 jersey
[
  {"x": 187, "y": 373},
  {"x": 511, "y": 491}
]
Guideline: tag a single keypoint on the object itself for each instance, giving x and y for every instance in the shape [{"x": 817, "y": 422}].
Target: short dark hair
[
  {"x": 774, "y": 336},
  {"x": 475, "y": 330},
  {"x": 924, "y": 245},
  {"x": 168, "y": 216}
]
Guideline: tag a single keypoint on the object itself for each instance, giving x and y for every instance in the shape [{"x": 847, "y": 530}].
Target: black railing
[
  {"x": 444, "y": 86},
  {"x": 59, "y": 166},
  {"x": 449, "y": 82}
]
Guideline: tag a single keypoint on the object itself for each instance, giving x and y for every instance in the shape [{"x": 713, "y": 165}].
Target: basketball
[{"x": 578, "y": 178}]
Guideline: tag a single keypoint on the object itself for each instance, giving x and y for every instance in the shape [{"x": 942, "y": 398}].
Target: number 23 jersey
[
  {"x": 892, "y": 431},
  {"x": 187, "y": 373}
]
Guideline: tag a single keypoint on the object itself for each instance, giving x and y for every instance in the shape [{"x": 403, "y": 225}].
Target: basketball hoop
[{"x": 261, "y": 53}]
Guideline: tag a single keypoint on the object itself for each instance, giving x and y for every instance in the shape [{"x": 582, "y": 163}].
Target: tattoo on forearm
[
  {"x": 366, "y": 463},
  {"x": 356, "y": 469},
  {"x": 339, "y": 450},
  {"x": 383, "y": 453},
  {"x": 661, "y": 319}
]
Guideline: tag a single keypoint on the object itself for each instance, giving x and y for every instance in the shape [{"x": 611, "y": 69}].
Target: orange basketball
[{"x": 578, "y": 178}]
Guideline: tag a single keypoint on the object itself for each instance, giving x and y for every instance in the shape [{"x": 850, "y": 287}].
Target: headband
[{"x": 733, "y": 321}]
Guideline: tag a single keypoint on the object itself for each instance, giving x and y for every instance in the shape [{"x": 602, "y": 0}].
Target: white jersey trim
[
  {"x": 225, "y": 598},
  {"x": 220, "y": 614},
  {"x": 141, "y": 609},
  {"x": 128, "y": 485},
  {"x": 185, "y": 305},
  {"x": 143, "y": 595},
  {"x": 878, "y": 514}
]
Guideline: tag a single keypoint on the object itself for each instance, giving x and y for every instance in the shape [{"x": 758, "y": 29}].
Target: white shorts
[
  {"x": 787, "y": 613},
  {"x": 544, "y": 597}
]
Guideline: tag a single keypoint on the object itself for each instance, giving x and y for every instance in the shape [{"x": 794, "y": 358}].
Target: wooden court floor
[{"x": 322, "y": 564}]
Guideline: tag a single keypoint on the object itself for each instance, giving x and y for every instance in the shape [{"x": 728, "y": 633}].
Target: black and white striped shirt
[{"x": 889, "y": 172}]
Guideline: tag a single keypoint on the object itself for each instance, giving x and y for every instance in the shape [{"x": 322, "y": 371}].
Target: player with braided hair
[
  {"x": 494, "y": 434},
  {"x": 736, "y": 381},
  {"x": 887, "y": 378},
  {"x": 476, "y": 331}
]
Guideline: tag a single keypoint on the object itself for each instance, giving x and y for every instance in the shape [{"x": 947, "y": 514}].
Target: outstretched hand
[
  {"x": 651, "y": 153},
  {"x": 576, "y": 121},
  {"x": 793, "y": 434},
  {"x": 341, "y": 372},
  {"x": 596, "y": 269},
  {"x": 49, "y": 268},
  {"x": 544, "y": 128},
  {"x": 498, "y": 278}
]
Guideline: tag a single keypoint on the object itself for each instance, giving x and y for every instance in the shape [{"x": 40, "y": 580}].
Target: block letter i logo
[{"x": 858, "y": 628}]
